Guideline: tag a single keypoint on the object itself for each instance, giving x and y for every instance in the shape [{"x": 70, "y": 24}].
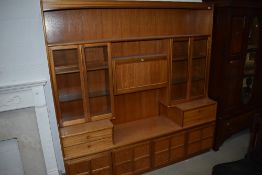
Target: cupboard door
[
  {"x": 179, "y": 73},
  {"x": 177, "y": 147},
  {"x": 68, "y": 85},
  {"x": 142, "y": 158},
  {"x": 139, "y": 73},
  {"x": 98, "y": 81},
  {"x": 161, "y": 152}
]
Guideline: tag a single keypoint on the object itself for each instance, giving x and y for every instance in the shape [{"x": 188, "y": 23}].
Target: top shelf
[{"x": 49, "y": 5}]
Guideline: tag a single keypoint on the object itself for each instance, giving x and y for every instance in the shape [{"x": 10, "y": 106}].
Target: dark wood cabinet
[{"x": 235, "y": 72}]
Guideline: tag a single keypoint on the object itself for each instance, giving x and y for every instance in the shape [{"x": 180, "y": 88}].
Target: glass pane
[
  {"x": 199, "y": 55},
  {"x": 250, "y": 62},
  {"x": 199, "y": 48},
  {"x": 96, "y": 59},
  {"x": 68, "y": 84},
  {"x": 179, "y": 69}
]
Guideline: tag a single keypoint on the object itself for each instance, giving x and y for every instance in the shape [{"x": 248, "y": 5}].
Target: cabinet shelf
[
  {"x": 66, "y": 69},
  {"x": 199, "y": 57},
  {"x": 67, "y": 97},
  {"x": 98, "y": 94},
  {"x": 198, "y": 78},
  {"x": 181, "y": 81},
  {"x": 180, "y": 59},
  {"x": 96, "y": 66}
]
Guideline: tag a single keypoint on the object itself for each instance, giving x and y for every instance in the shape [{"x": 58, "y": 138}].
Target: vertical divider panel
[
  {"x": 169, "y": 73},
  {"x": 189, "y": 82},
  {"x": 111, "y": 83},
  {"x": 82, "y": 67}
]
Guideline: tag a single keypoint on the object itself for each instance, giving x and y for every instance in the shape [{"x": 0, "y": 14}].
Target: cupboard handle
[{"x": 142, "y": 59}]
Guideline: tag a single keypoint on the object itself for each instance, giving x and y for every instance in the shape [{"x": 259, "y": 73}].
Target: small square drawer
[
  {"x": 194, "y": 112},
  {"x": 199, "y": 115}
]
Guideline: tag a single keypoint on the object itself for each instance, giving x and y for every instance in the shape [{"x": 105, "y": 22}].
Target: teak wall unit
[{"x": 130, "y": 83}]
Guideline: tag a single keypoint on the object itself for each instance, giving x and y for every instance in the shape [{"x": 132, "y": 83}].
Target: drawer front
[
  {"x": 78, "y": 167},
  {"x": 123, "y": 155},
  {"x": 199, "y": 115},
  {"x": 138, "y": 74},
  {"x": 87, "y": 137},
  {"x": 87, "y": 148},
  {"x": 142, "y": 165},
  {"x": 161, "y": 145},
  {"x": 123, "y": 169},
  {"x": 177, "y": 153},
  {"x": 103, "y": 161},
  {"x": 177, "y": 140},
  {"x": 161, "y": 158},
  {"x": 141, "y": 150}
]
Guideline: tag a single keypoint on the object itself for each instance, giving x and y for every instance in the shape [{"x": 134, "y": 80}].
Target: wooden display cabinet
[{"x": 130, "y": 83}]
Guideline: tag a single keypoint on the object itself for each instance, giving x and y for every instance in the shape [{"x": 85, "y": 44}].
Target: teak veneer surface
[
  {"x": 85, "y": 127},
  {"x": 195, "y": 104}
]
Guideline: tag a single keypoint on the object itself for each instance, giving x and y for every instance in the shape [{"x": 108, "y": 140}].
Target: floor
[{"x": 233, "y": 149}]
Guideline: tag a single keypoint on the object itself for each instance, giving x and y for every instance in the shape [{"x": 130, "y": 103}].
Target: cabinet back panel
[
  {"x": 135, "y": 106},
  {"x": 96, "y": 24}
]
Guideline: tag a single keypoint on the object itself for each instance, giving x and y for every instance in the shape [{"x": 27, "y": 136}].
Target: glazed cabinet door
[
  {"x": 69, "y": 89},
  {"x": 98, "y": 80}
]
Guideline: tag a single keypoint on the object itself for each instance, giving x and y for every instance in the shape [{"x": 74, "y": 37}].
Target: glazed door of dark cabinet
[{"x": 238, "y": 26}]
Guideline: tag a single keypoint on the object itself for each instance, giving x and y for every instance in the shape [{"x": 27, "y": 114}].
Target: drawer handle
[{"x": 142, "y": 59}]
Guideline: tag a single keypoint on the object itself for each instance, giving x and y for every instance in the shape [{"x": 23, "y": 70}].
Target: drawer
[
  {"x": 178, "y": 140},
  {"x": 177, "y": 153},
  {"x": 87, "y": 148},
  {"x": 199, "y": 115},
  {"x": 123, "y": 155},
  {"x": 86, "y": 137},
  {"x": 161, "y": 145},
  {"x": 78, "y": 167},
  {"x": 141, "y": 165},
  {"x": 141, "y": 150}
]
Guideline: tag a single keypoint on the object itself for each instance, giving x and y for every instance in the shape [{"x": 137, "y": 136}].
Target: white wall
[{"x": 23, "y": 55}]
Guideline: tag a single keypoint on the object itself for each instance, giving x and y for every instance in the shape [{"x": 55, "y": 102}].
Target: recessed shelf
[
  {"x": 66, "y": 69},
  {"x": 199, "y": 57},
  {"x": 98, "y": 94},
  {"x": 96, "y": 66},
  {"x": 198, "y": 78},
  {"x": 66, "y": 97},
  {"x": 181, "y": 81},
  {"x": 180, "y": 59}
]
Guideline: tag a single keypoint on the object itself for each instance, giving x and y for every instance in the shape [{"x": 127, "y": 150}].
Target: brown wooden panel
[
  {"x": 87, "y": 24},
  {"x": 100, "y": 162},
  {"x": 177, "y": 153},
  {"x": 194, "y": 135},
  {"x": 207, "y": 143},
  {"x": 135, "y": 106},
  {"x": 161, "y": 145},
  {"x": 161, "y": 158},
  {"x": 123, "y": 155},
  {"x": 139, "y": 74},
  {"x": 123, "y": 169},
  {"x": 194, "y": 148},
  {"x": 105, "y": 171},
  {"x": 177, "y": 140},
  {"x": 78, "y": 167},
  {"x": 142, "y": 165},
  {"x": 208, "y": 131},
  {"x": 141, "y": 150}
]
